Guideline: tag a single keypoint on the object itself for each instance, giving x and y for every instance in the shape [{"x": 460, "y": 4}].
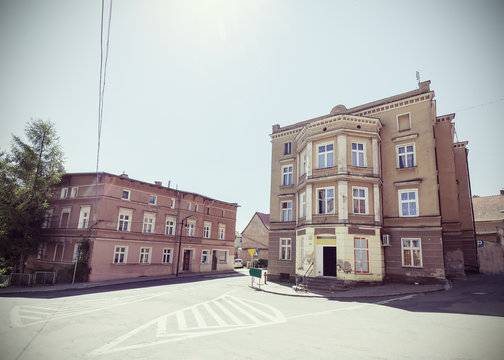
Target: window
[
  {"x": 207, "y": 229},
  {"x": 361, "y": 253},
  {"x": 167, "y": 256},
  {"x": 172, "y": 203},
  {"x": 205, "y": 256},
  {"x": 403, "y": 122},
  {"x": 360, "y": 200},
  {"x": 286, "y": 210},
  {"x": 120, "y": 254},
  {"x": 208, "y": 211},
  {"x": 145, "y": 253},
  {"x": 325, "y": 201},
  {"x": 222, "y": 256},
  {"x": 195, "y": 207},
  {"x": 302, "y": 205},
  {"x": 408, "y": 202},
  {"x": 222, "y": 231},
  {"x": 170, "y": 226},
  {"x": 358, "y": 154},
  {"x": 73, "y": 193},
  {"x": 64, "y": 193},
  {"x": 84, "y": 217},
  {"x": 190, "y": 228},
  {"x": 405, "y": 156},
  {"x": 285, "y": 249},
  {"x": 149, "y": 222},
  {"x": 325, "y": 156},
  {"x": 303, "y": 163},
  {"x": 125, "y": 195},
  {"x": 41, "y": 251},
  {"x": 153, "y": 199},
  {"x": 46, "y": 224},
  {"x": 65, "y": 217},
  {"x": 411, "y": 252},
  {"x": 189, "y": 206},
  {"x": 287, "y": 148},
  {"x": 125, "y": 218},
  {"x": 287, "y": 175}
]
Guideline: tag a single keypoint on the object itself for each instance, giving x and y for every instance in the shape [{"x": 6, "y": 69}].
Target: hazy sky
[{"x": 193, "y": 87}]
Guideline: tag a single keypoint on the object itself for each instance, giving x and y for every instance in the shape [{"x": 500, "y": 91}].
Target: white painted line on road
[
  {"x": 177, "y": 321},
  {"x": 396, "y": 299}
]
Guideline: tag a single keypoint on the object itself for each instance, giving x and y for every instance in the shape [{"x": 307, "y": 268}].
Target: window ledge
[
  {"x": 406, "y": 168},
  {"x": 412, "y": 267},
  {"x": 405, "y": 137}
]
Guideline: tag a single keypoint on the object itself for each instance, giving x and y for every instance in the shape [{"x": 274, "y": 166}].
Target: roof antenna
[{"x": 418, "y": 77}]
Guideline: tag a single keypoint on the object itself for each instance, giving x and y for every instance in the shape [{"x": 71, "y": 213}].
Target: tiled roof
[
  {"x": 264, "y": 218},
  {"x": 488, "y": 208}
]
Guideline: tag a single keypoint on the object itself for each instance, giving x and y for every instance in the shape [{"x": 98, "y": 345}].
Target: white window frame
[
  {"x": 195, "y": 207},
  {"x": 412, "y": 249},
  {"x": 170, "y": 226},
  {"x": 152, "y": 199},
  {"x": 287, "y": 174},
  {"x": 207, "y": 229},
  {"x": 285, "y": 249},
  {"x": 406, "y": 155},
  {"x": 172, "y": 203},
  {"x": 222, "y": 231},
  {"x": 287, "y": 148},
  {"x": 123, "y": 220},
  {"x": 190, "y": 227},
  {"x": 145, "y": 255},
  {"x": 74, "y": 192},
  {"x": 326, "y": 200},
  {"x": 205, "y": 256},
  {"x": 149, "y": 223},
  {"x": 46, "y": 224},
  {"x": 83, "y": 219},
  {"x": 302, "y": 205},
  {"x": 303, "y": 162},
  {"x": 65, "y": 210},
  {"x": 120, "y": 251},
  {"x": 167, "y": 256},
  {"x": 326, "y": 155},
  {"x": 357, "y": 152},
  {"x": 128, "y": 192},
  {"x": 359, "y": 198},
  {"x": 41, "y": 251},
  {"x": 286, "y": 210},
  {"x": 361, "y": 254},
  {"x": 64, "y": 193},
  {"x": 408, "y": 201}
]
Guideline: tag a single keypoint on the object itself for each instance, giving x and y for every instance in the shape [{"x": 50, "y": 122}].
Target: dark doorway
[
  {"x": 187, "y": 259},
  {"x": 329, "y": 261},
  {"x": 214, "y": 260}
]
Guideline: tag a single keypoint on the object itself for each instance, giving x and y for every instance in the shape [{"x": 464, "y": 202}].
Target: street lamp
[{"x": 180, "y": 241}]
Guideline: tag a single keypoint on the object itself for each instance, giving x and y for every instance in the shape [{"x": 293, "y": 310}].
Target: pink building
[{"x": 135, "y": 228}]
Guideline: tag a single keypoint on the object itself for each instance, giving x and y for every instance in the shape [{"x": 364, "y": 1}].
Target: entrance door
[
  {"x": 214, "y": 260},
  {"x": 329, "y": 261},
  {"x": 187, "y": 259}
]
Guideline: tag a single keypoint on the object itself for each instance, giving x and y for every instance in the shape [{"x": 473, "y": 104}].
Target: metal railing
[{"x": 303, "y": 278}]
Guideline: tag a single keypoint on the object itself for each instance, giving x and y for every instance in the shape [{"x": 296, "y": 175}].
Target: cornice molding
[{"x": 396, "y": 104}]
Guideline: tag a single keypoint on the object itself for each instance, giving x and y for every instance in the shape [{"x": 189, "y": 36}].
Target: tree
[{"x": 27, "y": 179}]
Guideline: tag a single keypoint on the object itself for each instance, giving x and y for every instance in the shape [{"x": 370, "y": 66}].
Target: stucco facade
[
  {"x": 371, "y": 192},
  {"x": 135, "y": 228}
]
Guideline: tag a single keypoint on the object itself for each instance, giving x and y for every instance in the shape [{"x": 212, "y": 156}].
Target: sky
[{"x": 194, "y": 87}]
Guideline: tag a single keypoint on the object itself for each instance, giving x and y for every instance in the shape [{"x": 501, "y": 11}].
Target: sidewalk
[
  {"x": 278, "y": 288},
  {"x": 89, "y": 285},
  {"x": 386, "y": 290}
]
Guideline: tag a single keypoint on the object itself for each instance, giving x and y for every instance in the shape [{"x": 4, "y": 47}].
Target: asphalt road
[{"x": 222, "y": 318}]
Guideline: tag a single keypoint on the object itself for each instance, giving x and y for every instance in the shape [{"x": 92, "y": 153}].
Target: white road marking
[
  {"x": 395, "y": 299},
  {"x": 175, "y": 326}
]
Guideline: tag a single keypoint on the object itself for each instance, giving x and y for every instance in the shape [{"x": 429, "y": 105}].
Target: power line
[{"x": 480, "y": 105}]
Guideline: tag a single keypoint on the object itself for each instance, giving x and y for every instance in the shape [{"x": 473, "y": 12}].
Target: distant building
[
  {"x": 135, "y": 228},
  {"x": 378, "y": 191},
  {"x": 255, "y": 236},
  {"x": 489, "y": 222}
]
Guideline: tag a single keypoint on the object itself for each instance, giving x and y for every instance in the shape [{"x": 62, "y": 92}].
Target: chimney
[
  {"x": 158, "y": 183},
  {"x": 502, "y": 192}
]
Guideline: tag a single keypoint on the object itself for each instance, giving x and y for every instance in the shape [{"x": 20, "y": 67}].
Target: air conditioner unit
[{"x": 385, "y": 240}]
